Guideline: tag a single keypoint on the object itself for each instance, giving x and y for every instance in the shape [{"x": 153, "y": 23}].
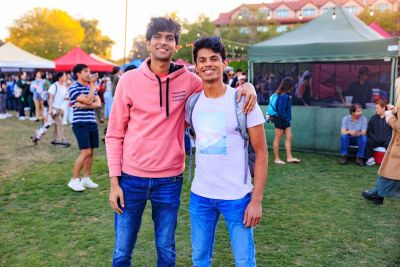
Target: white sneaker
[
  {"x": 76, "y": 185},
  {"x": 88, "y": 183},
  {"x": 370, "y": 162},
  {"x": 22, "y": 118},
  {"x": 3, "y": 116},
  {"x": 32, "y": 118},
  {"x": 9, "y": 115}
]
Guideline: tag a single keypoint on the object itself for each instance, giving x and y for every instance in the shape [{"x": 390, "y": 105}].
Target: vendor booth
[
  {"x": 78, "y": 56},
  {"x": 333, "y": 53},
  {"x": 15, "y": 59}
]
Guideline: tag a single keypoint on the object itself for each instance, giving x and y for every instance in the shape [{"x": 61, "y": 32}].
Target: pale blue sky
[{"x": 111, "y": 14}]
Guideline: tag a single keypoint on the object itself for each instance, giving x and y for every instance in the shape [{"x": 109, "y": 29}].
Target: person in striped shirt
[{"x": 84, "y": 100}]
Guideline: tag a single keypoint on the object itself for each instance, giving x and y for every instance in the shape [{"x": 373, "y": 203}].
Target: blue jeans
[
  {"x": 204, "y": 216},
  {"x": 164, "y": 194},
  {"x": 385, "y": 187},
  {"x": 108, "y": 100},
  {"x": 360, "y": 141}
]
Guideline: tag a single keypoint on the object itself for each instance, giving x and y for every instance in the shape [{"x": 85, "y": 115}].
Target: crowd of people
[{"x": 145, "y": 111}]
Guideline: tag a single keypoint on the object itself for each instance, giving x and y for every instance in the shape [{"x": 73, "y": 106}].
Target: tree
[
  {"x": 387, "y": 20},
  {"x": 139, "y": 48},
  {"x": 94, "y": 41},
  {"x": 47, "y": 33},
  {"x": 190, "y": 32}
]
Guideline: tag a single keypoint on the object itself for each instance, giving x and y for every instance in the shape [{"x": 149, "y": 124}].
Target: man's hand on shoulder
[{"x": 249, "y": 92}]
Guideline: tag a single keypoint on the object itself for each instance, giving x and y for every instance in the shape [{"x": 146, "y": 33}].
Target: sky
[{"x": 111, "y": 14}]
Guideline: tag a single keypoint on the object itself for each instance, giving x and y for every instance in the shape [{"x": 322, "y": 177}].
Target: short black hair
[
  {"x": 211, "y": 42},
  {"x": 239, "y": 70},
  {"x": 58, "y": 76},
  {"x": 115, "y": 69},
  {"x": 161, "y": 24},
  {"x": 354, "y": 107},
  {"x": 78, "y": 68},
  {"x": 225, "y": 78},
  {"x": 130, "y": 67}
]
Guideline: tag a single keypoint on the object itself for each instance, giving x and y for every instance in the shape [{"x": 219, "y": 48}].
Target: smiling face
[
  {"x": 209, "y": 65},
  {"x": 162, "y": 46}
]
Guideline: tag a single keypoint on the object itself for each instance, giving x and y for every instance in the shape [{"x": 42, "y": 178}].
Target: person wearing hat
[{"x": 360, "y": 90}]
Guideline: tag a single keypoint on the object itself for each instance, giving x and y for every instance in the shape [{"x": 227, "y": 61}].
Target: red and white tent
[{"x": 78, "y": 56}]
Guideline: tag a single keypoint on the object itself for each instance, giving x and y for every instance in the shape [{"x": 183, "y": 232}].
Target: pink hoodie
[{"x": 146, "y": 127}]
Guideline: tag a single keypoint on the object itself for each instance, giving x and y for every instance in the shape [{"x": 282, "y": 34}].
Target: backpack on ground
[{"x": 241, "y": 127}]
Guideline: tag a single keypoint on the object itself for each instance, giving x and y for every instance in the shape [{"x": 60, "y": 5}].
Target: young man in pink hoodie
[{"x": 144, "y": 142}]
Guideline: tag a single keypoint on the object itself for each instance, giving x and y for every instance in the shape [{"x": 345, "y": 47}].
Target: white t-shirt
[
  {"x": 59, "y": 92},
  {"x": 220, "y": 157}
]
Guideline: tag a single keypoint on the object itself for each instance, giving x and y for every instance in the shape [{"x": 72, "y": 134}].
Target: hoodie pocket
[{"x": 159, "y": 154}]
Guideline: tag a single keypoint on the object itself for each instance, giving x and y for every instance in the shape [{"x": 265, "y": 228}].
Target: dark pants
[
  {"x": 21, "y": 106},
  {"x": 372, "y": 143},
  {"x": 10, "y": 102},
  {"x": 31, "y": 106}
]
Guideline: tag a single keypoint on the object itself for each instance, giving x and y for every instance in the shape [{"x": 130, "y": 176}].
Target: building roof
[{"x": 225, "y": 18}]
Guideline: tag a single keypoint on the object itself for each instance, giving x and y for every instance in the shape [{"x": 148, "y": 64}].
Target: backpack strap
[
  {"x": 242, "y": 128},
  {"x": 190, "y": 103}
]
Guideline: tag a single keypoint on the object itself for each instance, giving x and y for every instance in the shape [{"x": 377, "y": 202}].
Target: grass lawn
[{"x": 313, "y": 213}]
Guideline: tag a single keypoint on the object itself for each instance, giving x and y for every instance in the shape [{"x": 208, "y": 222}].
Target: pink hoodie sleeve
[{"x": 117, "y": 126}]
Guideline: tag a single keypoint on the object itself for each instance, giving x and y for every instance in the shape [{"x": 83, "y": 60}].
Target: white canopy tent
[
  {"x": 101, "y": 59},
  {"x": 12, "y": 56}
]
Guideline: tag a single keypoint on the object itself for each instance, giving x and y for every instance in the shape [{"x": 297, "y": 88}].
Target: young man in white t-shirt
[
  {"x": 57, "y": 96},
  {"x": 218, "y": 186}
]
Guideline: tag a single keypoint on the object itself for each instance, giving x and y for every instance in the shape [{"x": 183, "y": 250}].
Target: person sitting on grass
[
  {"x": 379, "y": 132},
  {"x": 353, "y": 132}
]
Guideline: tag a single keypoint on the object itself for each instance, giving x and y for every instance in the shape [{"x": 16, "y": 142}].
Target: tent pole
[
  {"x": 250, "y": 71},
  {"x": 393, "y": 79}
]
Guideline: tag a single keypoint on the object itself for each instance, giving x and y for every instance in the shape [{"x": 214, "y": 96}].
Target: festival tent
[
  {"x": 78, "y": 56},
  {"x": 93, "y": 55},
  {"x": 379, "y": 30},
  {"x": 12, "y": 56},
  {"x": 334, "y": 49},
  {"x": 345, "y": 38}
]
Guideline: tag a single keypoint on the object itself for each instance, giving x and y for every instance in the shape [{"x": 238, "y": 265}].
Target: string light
[
  {"x": 300, "y": 16},
  {"x": 269, "y": 15},
  {"x": 334, "y": 14},
  {"x": 371, "y": 12}
]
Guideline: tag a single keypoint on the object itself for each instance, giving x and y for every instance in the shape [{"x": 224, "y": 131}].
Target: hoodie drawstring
[
  {"x": 166, "y": 96},
  {"x": 160, "y": 93},
  {"x": 167, "y": 99}
]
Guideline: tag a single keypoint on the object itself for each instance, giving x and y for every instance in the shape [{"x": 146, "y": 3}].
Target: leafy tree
[
  {"x": 94, "y": 41},
  {"x": 139, "y": 48},
  {"x": 387, "y": 20},
  {"x": 190, "y": 32},
  {"x": 47, "y": 33}
]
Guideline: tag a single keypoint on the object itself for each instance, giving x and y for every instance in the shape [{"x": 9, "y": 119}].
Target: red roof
[
  {"x": 78, "y": 56},
  {"x": 295, "y": 5},
  {"x": 379, "y": 30}
]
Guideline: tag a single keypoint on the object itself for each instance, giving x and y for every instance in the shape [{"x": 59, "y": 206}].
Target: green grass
[{"x": 313, "y": 213}]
